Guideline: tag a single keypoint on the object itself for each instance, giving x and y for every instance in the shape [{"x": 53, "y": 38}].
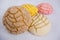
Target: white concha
[
  {"x": 40, "y": 25},
  {"x": 17, "y": 19}
]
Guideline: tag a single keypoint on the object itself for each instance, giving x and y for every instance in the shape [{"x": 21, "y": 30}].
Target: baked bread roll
[
  {"x": 30, "y": 8},
  {"x": 17, "y": 19},
  {"x": 40, "y": 25}
]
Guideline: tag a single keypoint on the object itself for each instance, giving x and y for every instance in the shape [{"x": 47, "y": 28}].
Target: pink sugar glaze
[{"x": 45, "y": 8}]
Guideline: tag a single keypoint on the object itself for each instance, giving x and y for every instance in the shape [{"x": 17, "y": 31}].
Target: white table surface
[{"x": 54, "y": 18}]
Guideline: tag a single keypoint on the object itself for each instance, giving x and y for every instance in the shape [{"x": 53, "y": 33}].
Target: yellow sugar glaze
[{"x": 31, "y": 8}]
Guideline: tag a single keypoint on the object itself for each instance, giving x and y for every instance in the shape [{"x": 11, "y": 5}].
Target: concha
[
  {"x": 30, "y": 8},
  {"x": 16, "y": 19},
  {"x": 40, "y": 25}
]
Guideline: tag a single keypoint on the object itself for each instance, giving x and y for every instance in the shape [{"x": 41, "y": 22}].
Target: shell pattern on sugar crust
[
  {"x": 17, "y": 19},
  {"x": 40, "y": 25}
]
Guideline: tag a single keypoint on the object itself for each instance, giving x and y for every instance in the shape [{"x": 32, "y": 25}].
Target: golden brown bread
[{"x": 17, "y": 19}]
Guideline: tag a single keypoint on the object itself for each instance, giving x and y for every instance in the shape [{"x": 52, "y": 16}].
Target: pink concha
[{"x": 45, "y": 8}]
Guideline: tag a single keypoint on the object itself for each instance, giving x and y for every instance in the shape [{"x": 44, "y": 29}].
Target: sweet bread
[
  {"x": 40, "y": 25},
  {"x": 17, "y": 19},
  {"x": 30, "y": 8}
]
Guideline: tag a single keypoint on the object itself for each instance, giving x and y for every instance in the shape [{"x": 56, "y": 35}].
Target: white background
[{"x": 54, "y": 18}]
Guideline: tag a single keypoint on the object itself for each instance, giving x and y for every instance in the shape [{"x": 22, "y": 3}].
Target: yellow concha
[
  {"x": 40, "y": 25},
  {"x": 17, "y": 19},
  {"x": 31, "y": 8}
]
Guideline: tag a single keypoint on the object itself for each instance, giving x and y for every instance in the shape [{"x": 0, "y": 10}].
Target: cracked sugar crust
[
  {"x": 16, "y": 19},
  {"x": 40, "y": 25}
]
